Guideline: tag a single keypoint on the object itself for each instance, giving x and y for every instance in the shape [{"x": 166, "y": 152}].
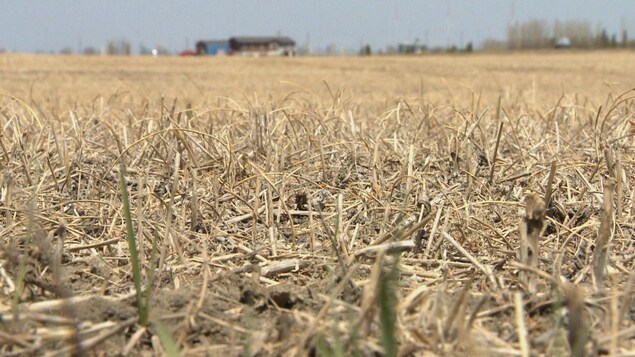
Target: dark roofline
[
  {"x": 212, "y": 42},
  {"x": 259, "y": 40}
]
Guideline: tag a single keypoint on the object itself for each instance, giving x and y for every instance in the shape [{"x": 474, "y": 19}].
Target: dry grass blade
[
  {"x": 282, "y": 201},
  {"x": 520, "y": 324},
  {"x": 487, "y": 270},
  {"x": 495, "y": 156},
  {"x": 619, "y": 185},
  {"x": 389, "y": 248},
  {"x": 9, "y": 339},
  {"x": 454, "y": 326},
  {"x": 549, "y": 189},
  {"x": 602, "y": 242},
  {"x": 398, "y": 232},
  {"x": 92, "y": 342},
  {"x": 22, "y": 262},
  {"x": 285, "y": 266}
]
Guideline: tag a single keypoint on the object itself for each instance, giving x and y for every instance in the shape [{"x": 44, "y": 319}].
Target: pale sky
[{"x": 50, "y": 25}]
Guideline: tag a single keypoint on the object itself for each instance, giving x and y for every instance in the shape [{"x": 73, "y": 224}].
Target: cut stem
[{"x": 498, "y": 140}]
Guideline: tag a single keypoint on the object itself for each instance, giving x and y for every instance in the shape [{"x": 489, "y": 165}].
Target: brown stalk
[
  {"x": 396, "y": 232},
  {"x": 294, "y": 235},
  {"x": 61, "y": 154},
  {"x": 254, "y": 222},
  {"x": 487, "y": 270},
  {"x": 498, "y": 140},
  {"x": 195, "y": 212},
  {"x": 601, "y": 252},
  {"x": 5, "y": 153},
  {"x": 456, "y": 317},
  {"x": 549, "y": 188},
  {"x": 531, "y": 228},
  {"x": 27, "y": 170},
  {"x": 521, "y": 328},
  {"x": 369, "y": 298},
  {"x": 48, "y": 163},
  {"x": 609, "y": 158},
  {"x": 618, "y": 184},
  {"x": 311, "y": 230},
  {"x": 7, "y": 186},
  {"x": 339, "y": 234},
  {"x": 578, "y": 327},
  {"x": 173, "y": 192}
]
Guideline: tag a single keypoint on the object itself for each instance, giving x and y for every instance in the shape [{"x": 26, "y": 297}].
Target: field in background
[
  {"x": 533, "y": 79},
  {"x": 329, "y": 206}
]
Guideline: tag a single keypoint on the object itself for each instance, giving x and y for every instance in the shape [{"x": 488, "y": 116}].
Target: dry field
[{"x": 417, "y": 206}]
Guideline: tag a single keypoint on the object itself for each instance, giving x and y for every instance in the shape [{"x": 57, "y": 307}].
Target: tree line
[{"x": 539, "y": 34}]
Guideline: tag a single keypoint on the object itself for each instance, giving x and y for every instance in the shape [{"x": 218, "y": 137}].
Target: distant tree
[
  {"x": 159, "y": 50},
  {"x": 331, "y": 49},
  {"x": 365, "y": 50},
  {"x": 613, "y": 41},
  {"x": 406, "y": 48},
  {"x": 492, "y": 44},
  {"x": 602, "y": 39},
  {"x": 90, "y": 51},
  {"x": 119, "y": 47},
  {"x": 66, "y": 51},
  {"x": 162, "y": 50},
  {"x": 469, "y": 47},
  {"x": 580, "y": 33},
  {"x": 145, "y": 51},
  {"x": 303, "y": 50},
  {"x": 532, "y": 34},
  {"x": 624, "y": 38},
  {"x": 535, "y": 34}
]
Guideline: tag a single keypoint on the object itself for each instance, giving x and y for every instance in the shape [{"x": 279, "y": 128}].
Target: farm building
[
  {"x": 262, "y": 46},
  {"x": 212, "y": 47}
]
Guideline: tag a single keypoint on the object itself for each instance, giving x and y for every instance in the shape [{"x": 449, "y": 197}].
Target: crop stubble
[{"x": 282, "y": 190}]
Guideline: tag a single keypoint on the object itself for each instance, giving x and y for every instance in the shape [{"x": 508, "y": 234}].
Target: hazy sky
[{"x": 50, "y": 25}]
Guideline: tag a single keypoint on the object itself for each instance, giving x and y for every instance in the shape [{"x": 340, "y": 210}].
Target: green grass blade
[
  {"x": 322, "y": 347},
  {"x": 167, "y": 341},
  {"x": 132, "y": 246},
  {"x": 153, "y": 261},
  {"x": 387, "y": 301}
]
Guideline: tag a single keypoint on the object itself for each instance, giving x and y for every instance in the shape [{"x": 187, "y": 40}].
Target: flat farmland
[
  {"x": 476, "y": 204},
  {"x": 535, "y": 79}
]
